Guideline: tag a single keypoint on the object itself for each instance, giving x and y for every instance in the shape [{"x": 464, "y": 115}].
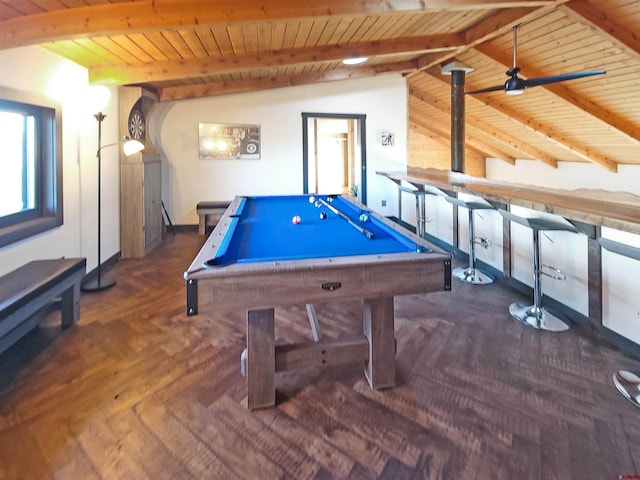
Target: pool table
[{"x": 260, "y": 256}]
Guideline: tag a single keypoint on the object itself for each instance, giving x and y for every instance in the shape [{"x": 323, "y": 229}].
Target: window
[{"x": 31, "y": 165}]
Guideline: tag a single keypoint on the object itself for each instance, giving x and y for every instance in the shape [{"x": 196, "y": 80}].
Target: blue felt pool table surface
[{"x": 262, "y": 229}]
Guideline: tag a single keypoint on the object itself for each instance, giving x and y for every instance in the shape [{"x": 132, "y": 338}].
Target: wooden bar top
[{"x": 619, "y": 210}]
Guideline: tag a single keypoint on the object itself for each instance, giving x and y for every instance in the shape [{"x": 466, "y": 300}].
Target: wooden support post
[
  {"x": 506, "y": 248},
  {"x": 261, "y": 359},
  {"x": 595, "y": 279},
  {"x": 455, "y": 240}
]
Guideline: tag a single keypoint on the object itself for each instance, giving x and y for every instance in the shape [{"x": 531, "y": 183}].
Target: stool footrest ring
[
  {"x": 482, "y": 241},
  {"x": 552, "y": 272}
]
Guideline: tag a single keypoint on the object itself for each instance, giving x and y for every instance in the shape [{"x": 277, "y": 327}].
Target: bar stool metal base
[
  {"x": 472, "y": 276},
  {"x": 538, "y": 318},
  {"x": 628, "y": 384}
]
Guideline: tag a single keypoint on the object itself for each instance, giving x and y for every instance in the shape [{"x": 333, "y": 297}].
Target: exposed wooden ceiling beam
[
  {"x": 545, "y": 131},
  {"x": 155, "y": 15},
  {"x": 492, "y": 27},
  {"x": 560, "y": 90},
  {"x": 241, "y": 86},
  {"x": 190, "y": 68},
  {"x": 470, "y": 141},
  {"x": 606, "y": 28},
  {"x": 437, "y": 132},
  {"x": 478, "y": 124},
  {"x": 434, "y": 136}
]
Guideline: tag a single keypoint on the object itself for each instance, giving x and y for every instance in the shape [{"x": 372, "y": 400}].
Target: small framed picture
[{"x": 387, "y": 139}]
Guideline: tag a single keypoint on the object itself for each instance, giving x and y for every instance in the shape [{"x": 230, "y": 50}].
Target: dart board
[{"x": 136, "y": 124}]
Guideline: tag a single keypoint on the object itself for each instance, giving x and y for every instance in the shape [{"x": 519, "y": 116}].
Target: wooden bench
[
  {"x": 26, "y": 291},
  {"x": 209, "y": 211}
]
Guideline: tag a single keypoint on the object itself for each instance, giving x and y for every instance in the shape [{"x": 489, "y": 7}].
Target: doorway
[{"x": 334, "y": 154}]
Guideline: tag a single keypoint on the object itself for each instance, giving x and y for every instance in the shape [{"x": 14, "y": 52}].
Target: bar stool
[
  {"x": 628, "y": 384},
  {"x": 421, "y": 215},
  {"x": 536, "y": 315},
  {"x": 471, "y": 274}
]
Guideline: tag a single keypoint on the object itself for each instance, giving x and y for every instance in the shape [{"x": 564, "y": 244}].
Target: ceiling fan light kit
[{"x": 515, "y": 85}]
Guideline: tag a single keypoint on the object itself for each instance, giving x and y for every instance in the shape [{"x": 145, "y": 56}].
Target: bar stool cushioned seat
[
  {"x": 536, "y": 315},
  {"x": 421, "y": 215},
  {"x": 471, "y": 274}
]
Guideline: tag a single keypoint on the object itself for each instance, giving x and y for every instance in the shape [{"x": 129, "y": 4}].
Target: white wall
[
  {"x": 568, "y": 175},
  {"x": 620, "y": 303},
  {"x": 35, "y": 70},
  {"x": 187, "y": 180}
]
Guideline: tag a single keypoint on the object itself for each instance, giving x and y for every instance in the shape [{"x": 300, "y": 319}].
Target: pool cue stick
[
  {"x": 362, "y": 230},
  {"x": 170, "y": 226}
]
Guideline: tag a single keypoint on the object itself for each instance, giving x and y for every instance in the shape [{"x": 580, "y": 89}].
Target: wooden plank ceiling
[{"x": 192, "y": 48}]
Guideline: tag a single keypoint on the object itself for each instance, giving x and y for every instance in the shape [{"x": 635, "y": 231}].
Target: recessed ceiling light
[{"x": 354, "y": 60}]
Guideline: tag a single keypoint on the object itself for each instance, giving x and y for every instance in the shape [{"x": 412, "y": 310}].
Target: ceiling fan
[{"x": 516, "y": 85}]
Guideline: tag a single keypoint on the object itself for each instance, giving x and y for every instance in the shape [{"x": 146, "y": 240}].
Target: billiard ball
[
  {"x": 318, "y": 204},
  {"x": 364, "y": 217},
  {"x": 296, "y": 219},
  {"x": 323, "y": 215},
  {"x": 312, "y": 199}
]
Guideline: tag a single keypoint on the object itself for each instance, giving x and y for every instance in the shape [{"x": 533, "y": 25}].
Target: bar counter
[{"x": 617, "y": 210}]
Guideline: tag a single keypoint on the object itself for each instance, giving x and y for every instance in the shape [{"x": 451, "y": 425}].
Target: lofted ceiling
[{"x": 193, "y": 48}]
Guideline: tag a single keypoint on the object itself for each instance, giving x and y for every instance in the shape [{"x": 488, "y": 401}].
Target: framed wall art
[
  {"x": 223, "y": 141},
  {"x": 387, "y": 139}
]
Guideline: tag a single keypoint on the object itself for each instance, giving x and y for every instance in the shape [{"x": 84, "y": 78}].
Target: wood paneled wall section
[
  {"x": 432, "y": 151},
  {"x": 140, "y": 192}
]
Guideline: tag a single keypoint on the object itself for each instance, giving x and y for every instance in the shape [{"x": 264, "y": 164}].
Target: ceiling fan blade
[
  {"x": 485, "y": 90},
  {"x": 534, "y": 82}
]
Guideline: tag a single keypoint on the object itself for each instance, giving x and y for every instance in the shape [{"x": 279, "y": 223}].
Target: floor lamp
[{"x": 130, "y": 147}]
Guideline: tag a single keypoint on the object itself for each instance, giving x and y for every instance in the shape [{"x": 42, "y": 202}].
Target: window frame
[{"x": 48, "y": 211}]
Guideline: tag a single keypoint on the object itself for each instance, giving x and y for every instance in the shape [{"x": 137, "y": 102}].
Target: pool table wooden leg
[
  {"x": 261, "y": 359},
  {"x": 380, "y": 369}
]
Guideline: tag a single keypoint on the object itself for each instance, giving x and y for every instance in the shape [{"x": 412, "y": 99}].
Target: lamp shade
[
  {"x": 131, "y": 146},
  {"x": 98, "y": 98}
]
